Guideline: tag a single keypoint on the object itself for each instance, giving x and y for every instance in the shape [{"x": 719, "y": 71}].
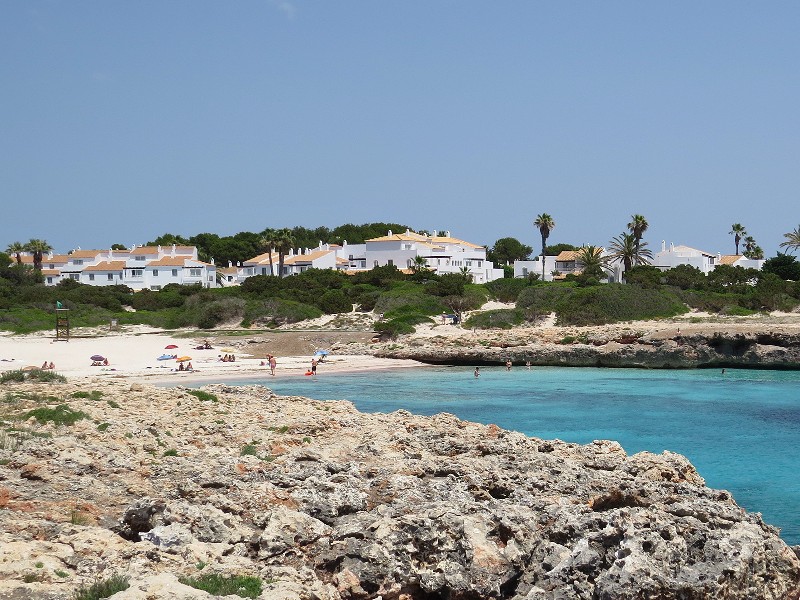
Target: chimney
[
  {"x": 344, "y": 243},
  {"x": 173, "y": 249},
  {"x": 447, "y": 234},
  {"x": 230, "y": 264},
  {"x": 663, "y": 246},
  {"x": 390, "y": 233},
  {"x": 159, "y": 248},
  {"x": 671, "y": 247},
  {"x": 434, "y": 233}
]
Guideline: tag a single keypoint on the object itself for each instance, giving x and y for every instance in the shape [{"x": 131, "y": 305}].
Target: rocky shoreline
[
  {"x": 755, "y": 347},
  {"x": 320, "y": 501}
]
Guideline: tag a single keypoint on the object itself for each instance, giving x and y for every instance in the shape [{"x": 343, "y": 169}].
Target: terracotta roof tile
[{"x": 114, "y": 265}]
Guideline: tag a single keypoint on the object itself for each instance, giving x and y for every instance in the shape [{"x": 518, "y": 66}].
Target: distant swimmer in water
[
  {"x": 528, "y": 364},
  {"x": 477, "y": 371},
  {"x": 508, "y": 365}
]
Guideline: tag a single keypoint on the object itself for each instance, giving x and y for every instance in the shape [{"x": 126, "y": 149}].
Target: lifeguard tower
[{"x": 62, "y": 323}]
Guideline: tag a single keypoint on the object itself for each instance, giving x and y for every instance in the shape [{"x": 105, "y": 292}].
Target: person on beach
[
  {"x": 189, "y": 367},
  {"x": 44, "y": 365},
  {"x": 477, "y": 372},
  {"x": 508, "y": 365},
  {"x": 52, "y": 366},
  {"x": 272, "y": 364},
  {"x": 313, "y": 367},
  {"x": 528, "y": 364}
]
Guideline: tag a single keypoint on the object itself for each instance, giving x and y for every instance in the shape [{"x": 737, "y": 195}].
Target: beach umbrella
[
  {"x": 170, "y": 347},
  {"x": 321, "y": 353},
  {"x": 184, "y": 358},
  {"x": 97, "y": 357},
  {"x": 165, "y": 357}
]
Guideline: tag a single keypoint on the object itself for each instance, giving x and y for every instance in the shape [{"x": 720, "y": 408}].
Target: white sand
[{"x": 135, "y": 355}]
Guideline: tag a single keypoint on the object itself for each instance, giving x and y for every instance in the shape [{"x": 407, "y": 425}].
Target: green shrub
[
  {"x": 406, "y": 299},
  {"x": 93, "y": 395},
  {"x": 401, "y": 325},
  {"x": 277, "y": 311},
  {"x": 614, "y": 302},
  {"x": 501, "y": 319},
  {"x": 45, "y": 376},
  {"x": 102, "y": 589},
  {"x": 204, "y": 396},
  {"x": 60, "y": 415},
  {"x": 219, "y": 585},
  {"x": 170, "y": 452},
  {"x": 12, "y": 377},
  {"x": 248, "y": 450},
  {"x": 507, "y": 290}
]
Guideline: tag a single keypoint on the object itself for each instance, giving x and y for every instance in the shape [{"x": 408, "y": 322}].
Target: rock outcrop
[
  {"x": 744, "y": 349},
  {"x": 323, "y": 502}
]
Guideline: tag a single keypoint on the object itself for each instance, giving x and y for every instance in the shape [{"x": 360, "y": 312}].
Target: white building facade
[{"x": 140, "y": 268}]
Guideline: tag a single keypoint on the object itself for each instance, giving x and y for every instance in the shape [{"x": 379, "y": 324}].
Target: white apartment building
[
  {"x": 442, "y": 253},
  {"x": 673, "y": 256},
  {"x": 566, "y": 262},
  {"x": 140, "y": 268}
]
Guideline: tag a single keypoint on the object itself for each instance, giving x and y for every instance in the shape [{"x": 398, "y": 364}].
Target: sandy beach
[{"x": 134, "y": 354}]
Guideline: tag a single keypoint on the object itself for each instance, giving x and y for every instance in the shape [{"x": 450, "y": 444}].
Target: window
[
  {"x": 140, "y": 258},
  {"x": 74, "y": 276},
  {"x": 479, "y": 263},
  {"x": 91, "y": 276},
  {"x": 174, "y": 272},
  {"x": 155, "y": 272},
  {"x": 49, "y": 280},
  {"x": 409, "y": 263},
  {"x": 195, "y": 273},
  {"x": 111, "y": 277},
  {"x": 136, "y": 272},
  {"x": 155, "y": 288},
  {"x": 77, "y": 261},
  {"x": 375, "y": 263},
  {"x": 390, "y": 262}
]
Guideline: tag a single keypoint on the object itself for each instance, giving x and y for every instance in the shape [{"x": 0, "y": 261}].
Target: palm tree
[
  {"x": 464, "y": 272},
  {"x": 38, "y": 248},
  {"x": 267, "y": 243},
  {"x": 284, "y": 242},
  {"x": 16, "y": 248},
  {"x": 738, "y": 232},
  {"x": 545, "y": 224},
  {"x": 749, "y": 244},
  {"x": 624, "y": 248},
  {"x": 418, "y": 264},
  {"x": 637, "y": 227},
  {"x": 792, "y": 240},
  {"x": 591, "y": 257}
]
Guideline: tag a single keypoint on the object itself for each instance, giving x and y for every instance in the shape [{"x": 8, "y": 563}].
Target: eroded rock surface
[{"x": 323, "y": 502}]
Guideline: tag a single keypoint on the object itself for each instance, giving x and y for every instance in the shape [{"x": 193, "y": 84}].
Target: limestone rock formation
[{"x": 320, "y": 501}]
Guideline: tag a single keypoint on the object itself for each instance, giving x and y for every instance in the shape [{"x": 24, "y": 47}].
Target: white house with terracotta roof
[
  {"x": 442, "y": 253},
  {"x": 141, "y": 267},
  {"x": 566, "y": 262},
  {"x": 673, "y": 256}
]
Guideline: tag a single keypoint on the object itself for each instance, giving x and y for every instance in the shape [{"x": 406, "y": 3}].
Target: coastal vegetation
[{"x": 402, "y": 299}]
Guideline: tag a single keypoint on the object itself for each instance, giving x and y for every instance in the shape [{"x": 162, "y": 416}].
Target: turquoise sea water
[{"x": 741, "y": 429}]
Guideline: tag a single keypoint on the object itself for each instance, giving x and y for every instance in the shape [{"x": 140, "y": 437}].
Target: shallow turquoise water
[{"x": 741, "y": 429}]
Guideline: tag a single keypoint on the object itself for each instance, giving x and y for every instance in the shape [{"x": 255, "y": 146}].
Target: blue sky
[{"x": 125, "y": 120}]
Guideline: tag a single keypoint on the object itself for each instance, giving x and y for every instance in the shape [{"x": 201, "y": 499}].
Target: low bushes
[
  {"x": 502, "y": 319},
  {"x": 596, "y": 305}
]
